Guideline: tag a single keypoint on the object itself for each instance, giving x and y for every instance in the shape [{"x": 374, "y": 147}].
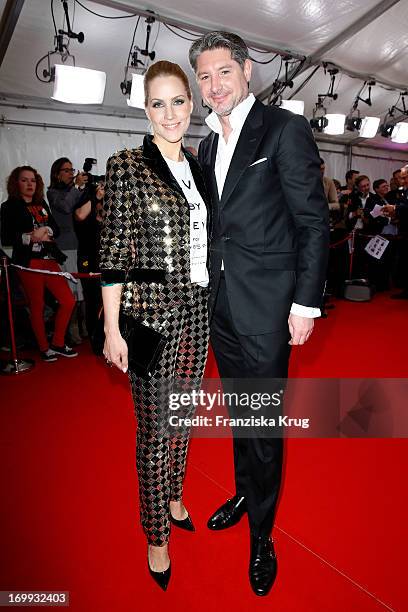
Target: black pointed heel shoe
[
  {"x": 161, "y": 578},
  {"x": 186, "y": 523}
]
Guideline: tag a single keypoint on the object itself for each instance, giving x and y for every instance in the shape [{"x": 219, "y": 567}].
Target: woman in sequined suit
[{"x": 151, "y": 270}]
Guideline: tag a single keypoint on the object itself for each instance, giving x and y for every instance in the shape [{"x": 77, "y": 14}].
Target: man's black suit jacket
[{"x": 271, "y": 225}]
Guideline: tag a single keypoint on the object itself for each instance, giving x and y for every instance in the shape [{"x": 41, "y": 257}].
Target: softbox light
[
  {"x": 335, "y": 124},
  {"x": 78, "y": 85},
  {"x": 137, "y": 92},
  {"x": 296, "y": 106},
  {"x": 400, "y": 133},
  {"x": 369, "y": 127}
]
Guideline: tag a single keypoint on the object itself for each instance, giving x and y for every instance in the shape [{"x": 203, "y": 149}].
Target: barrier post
[
  {"x": 15, "y": 365},
  {"x": 352, "y": 239}
]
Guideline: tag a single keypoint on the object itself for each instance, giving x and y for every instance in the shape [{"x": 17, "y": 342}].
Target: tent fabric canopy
[
  {"x": 366, "y": 39},
  {"x": 363, "y": 37}
]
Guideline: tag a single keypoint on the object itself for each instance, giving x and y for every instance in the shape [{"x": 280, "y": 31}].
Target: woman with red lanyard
[{"x": 28, "y": 226}]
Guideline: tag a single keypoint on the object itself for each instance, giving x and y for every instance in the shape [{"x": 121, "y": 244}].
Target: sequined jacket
[{"x": 145, "y": 239}]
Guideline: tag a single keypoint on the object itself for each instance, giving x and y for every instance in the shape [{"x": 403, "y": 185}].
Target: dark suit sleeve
[
  {"x": 7, "y": 224},
  {"x": 299, "y": 172},
  {"x": 200, "y": 155},
  {"x": 14, "y": 223},
  {"x": 377, "y": 224}
]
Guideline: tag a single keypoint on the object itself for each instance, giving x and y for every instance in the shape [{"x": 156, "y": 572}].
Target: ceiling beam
[
  {"x": 8, "y": 22},
  {"x": 356, "y": 27},
  {"x": 320, "y": 54},
  {"x": 258, "y": 43},
  {"x": 24, "y": 102},
  {"x": 314, "y": 59}
]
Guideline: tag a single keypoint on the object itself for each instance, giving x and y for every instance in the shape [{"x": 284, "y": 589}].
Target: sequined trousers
[{"x": 161, "y": 450}]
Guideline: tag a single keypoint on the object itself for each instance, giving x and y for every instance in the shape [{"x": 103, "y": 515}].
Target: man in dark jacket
[{"x": 268, "y": 262}]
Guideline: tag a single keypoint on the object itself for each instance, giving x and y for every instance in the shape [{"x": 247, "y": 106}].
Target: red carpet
[{"x": 69, "y": 509}]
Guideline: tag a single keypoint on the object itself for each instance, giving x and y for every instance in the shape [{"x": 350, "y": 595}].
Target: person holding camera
[
  {"x": 87, "y": 223},
  {"x": 28, "y": 226},
  {"x": 66, "y": 194}
]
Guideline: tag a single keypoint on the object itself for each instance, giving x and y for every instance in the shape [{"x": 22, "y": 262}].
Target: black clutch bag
[{"x": 145, "y": 345}]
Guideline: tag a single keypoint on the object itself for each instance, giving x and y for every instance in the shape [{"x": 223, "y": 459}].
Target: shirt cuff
[{"x": 305, "y": 311}]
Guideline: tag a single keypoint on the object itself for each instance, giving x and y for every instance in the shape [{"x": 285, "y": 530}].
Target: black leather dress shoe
[
  {"x": 228, "y": 514},
  {"x": 263, "y": 565}
]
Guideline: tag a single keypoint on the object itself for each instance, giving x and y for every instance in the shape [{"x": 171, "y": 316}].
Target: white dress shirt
[{"x": 225, "y": 151}]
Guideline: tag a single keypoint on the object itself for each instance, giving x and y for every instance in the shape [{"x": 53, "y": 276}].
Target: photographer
[
  {"x": 87, "y": 221},
  {"x": 29, "y": 227},
  {"x": 66, "y": 193}
]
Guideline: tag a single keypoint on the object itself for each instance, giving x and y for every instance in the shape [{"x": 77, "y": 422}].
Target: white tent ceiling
[{"x": 365, "y": 38}]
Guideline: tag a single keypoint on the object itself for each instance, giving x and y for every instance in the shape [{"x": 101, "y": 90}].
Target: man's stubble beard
[{"x": 229, "y": 110}]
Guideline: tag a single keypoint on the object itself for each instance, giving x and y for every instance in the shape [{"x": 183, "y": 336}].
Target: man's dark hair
[
  {"x": 398, "y": 171},
  {"x": 322, "y": 162},
  {"x": 378, "y": 183},
  {"x": 349, "y": 174},
  {"x": 362, "y": 177},
  {"x": 219, "y": 40}
]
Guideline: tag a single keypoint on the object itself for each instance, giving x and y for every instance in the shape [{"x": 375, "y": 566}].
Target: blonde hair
[{"x": 164, "y": 68}]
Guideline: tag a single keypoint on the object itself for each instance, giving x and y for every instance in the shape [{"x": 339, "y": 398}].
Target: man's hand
[
  {"x": 100, "y": 192},
  {"x": 300, "y": 329},
  {"x": 389, "y": 210}
]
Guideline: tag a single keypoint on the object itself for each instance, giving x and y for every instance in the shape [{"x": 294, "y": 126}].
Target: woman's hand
[
  {"x": 115, "y": 350},
  {"x": 40, "y": 235},
  {"x": 81, "y": 179}
]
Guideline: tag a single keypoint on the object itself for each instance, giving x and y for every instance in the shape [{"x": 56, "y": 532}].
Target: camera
[{"x": 93, "y": 179}]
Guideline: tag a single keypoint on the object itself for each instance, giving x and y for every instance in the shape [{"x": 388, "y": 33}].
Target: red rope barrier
[
  {"x": 86, "y": 274},
  {"x": 342, "y": 241}
]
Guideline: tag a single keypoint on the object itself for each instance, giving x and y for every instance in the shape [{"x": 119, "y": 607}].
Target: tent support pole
[{"x": 11, "y": 13}]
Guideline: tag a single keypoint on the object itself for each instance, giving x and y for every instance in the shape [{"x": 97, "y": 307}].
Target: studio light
[
  {"x": 400, "y": 133},
  {"x": 78, "y": 85},
  {"x": 386, "y": 129},
  {"x": 335, "y": 124},
  {"x": 369, "y": 127},
  {"x": 295, "y": 106},
  {"x": 353, "y": 124},
  {"x": 137, "y": 92},
  {"x": 318, "y": 123}
]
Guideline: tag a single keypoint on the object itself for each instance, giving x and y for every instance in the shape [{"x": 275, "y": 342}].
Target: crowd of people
[
  {"x": 63, "y": 235},
  {"x": 364, "y": 209},
  {"x": 50, "y": 238}
]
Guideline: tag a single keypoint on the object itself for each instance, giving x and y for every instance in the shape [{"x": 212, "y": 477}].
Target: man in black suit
[
  {"x": 268, "y": 261},
  {"x": 399, "y": 211}
]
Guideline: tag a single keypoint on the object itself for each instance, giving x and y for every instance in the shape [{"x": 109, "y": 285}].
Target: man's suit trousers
[{"x": 242, "y": 360}]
